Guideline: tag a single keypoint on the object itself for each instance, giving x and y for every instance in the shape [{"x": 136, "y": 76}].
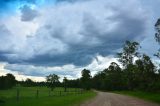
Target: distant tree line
[{"x": 30, "y": 83}]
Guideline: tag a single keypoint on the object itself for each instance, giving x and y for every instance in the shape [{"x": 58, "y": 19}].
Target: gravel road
[{"x": 111, "y": 99}]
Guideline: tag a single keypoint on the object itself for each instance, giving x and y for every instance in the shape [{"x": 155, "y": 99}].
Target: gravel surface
[{"x": 111, "y": 99}]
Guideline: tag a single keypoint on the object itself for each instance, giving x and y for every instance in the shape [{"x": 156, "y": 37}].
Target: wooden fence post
[
  {"x": 81, "y": 91},
  {"x": 75, "y": 91},
  {"x": 60, "y": 93},
  {"x": 17, "y": 94},
  {"x": 37, "y": 94},
  {"x": 67, "y": 93},
  {"x": 49, "y": 93}
]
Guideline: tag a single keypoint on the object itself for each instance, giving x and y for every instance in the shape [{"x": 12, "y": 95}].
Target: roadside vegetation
[{"x": 149, "y": 96}]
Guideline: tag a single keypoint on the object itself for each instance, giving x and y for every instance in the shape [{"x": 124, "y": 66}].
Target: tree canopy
[
  {"x": 129, "y": 52},
  {"x": 52, "y": 80},
  {"x": 86, "y": 79},
  {"x": 157, "y": 36},
  {"x": 7, "y": 82}
]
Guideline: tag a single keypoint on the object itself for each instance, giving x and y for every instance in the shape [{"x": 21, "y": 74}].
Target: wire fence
[{"x": 38, "y": 93}]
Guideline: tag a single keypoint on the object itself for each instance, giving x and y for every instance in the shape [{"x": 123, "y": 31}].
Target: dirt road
[{"x": 111, "y": 99}]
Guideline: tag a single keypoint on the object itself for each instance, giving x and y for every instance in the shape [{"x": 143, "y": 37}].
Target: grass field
[
  {"x": 153, "y": 97},
  {"x": 28, "y": 97}
]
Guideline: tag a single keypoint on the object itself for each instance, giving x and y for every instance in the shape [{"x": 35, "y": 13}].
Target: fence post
[
  {"x": 49, "y": 93},
  {"x": 67, "y": 93},
  {"x": 60, "y": 93},
  {"x": 37, "y": 94},
  {"x": 75, "y": 91},
  {"x": 17, "y": 94}
]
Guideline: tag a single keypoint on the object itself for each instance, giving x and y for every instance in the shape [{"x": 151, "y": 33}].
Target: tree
[
  {"x": 147, "y": 69},
  {"x": 157, "y": 28},
  {"x": 2, "y": 82},
  {"x": 129, "y": 52},
  {"x": 157, "y": 36},
  {"x": 7, "y": 82},
  {"x": 65, "y": 80},
  {"x": 11, "y": 81},
  {"x": 73, "y": 83},
  {"x": 98, "y": 81},
  {"x": 86, "y": 79},
  {"x": 126, "y": 57},
  {"x": 52, "y": 80},
  {"x": 29, "y": 83},
  {"x": 115, "y": 78}
]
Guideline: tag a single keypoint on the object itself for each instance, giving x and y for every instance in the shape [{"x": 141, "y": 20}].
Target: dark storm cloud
[
  {"x": 78, "y": 58},
  {"x": 38, "y": 71},
  {"x": 78, "y": 39}
]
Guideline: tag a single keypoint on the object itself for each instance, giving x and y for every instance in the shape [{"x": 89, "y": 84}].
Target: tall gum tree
[{"x": 157, "y": 36}]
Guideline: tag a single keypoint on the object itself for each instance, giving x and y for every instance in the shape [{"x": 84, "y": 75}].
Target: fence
[{"x": 38, "y": 93}]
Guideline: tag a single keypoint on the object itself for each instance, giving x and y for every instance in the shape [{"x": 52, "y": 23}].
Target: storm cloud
[
  {"x": 68, "y": 34},
  {"x": 75, "y": 33}
]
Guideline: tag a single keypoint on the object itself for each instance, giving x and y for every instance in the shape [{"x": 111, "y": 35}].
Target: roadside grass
[
  {"x": 28, "y": 97},
  {"x": 149, "y": 96}
]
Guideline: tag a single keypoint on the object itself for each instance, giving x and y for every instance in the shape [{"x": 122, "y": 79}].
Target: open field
[
  {"x": 153, "y": 97},
  {"x": 28, "y": 97}
]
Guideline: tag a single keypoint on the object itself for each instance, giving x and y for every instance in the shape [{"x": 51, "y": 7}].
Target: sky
[{"x": 42, "y": 37}]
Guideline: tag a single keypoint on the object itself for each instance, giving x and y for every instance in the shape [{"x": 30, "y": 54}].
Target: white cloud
[
  {"x": 19, "y": 76},
  {"x": 62, "y": 27}
]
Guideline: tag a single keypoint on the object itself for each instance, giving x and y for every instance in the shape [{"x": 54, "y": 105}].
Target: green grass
[
  {"x": 28, "y": 97},
  {"x": 149, "y": 96}
]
